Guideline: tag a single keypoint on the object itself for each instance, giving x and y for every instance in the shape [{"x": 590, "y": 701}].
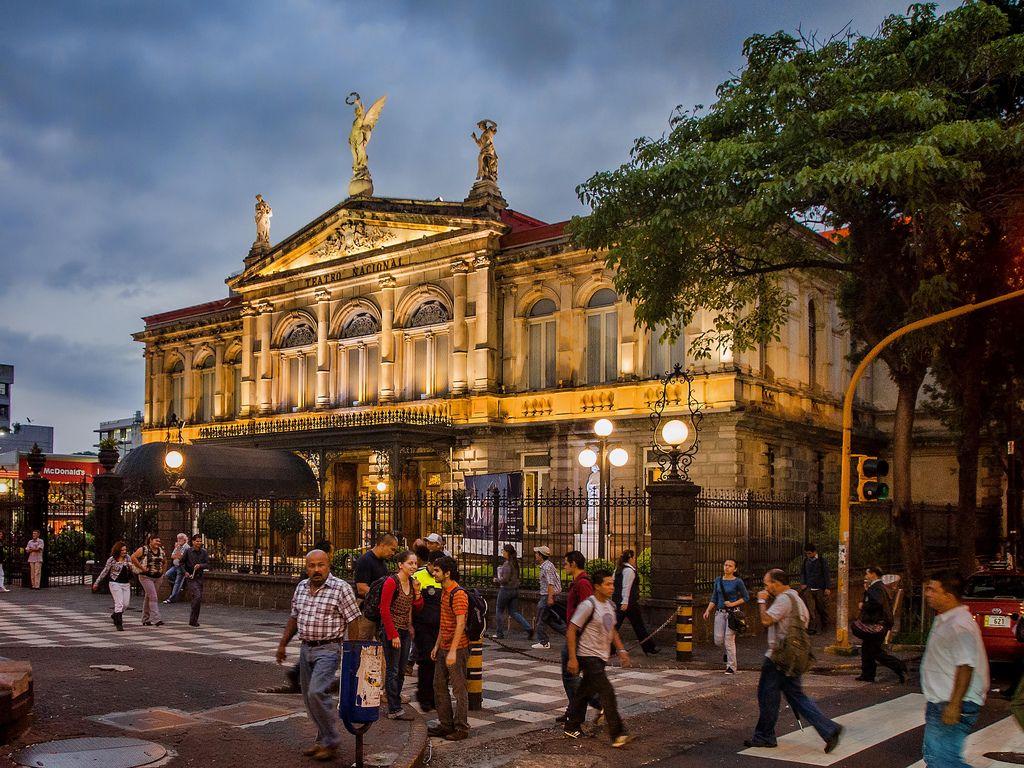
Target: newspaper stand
[{"x": 362, "y": 671}]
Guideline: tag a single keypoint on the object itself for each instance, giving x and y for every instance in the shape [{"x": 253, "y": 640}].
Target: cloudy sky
[{"x": 134, "y": 135}]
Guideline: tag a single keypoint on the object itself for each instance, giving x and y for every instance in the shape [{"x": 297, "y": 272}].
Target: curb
[{"x": 412, "y": 753}]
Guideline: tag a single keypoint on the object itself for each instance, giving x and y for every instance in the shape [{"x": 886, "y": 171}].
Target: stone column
[
  {"x": 147, "y": 413},
  {"x": 673, "y": 509},
  {"x": 107, "y": 492},
  {"x": 510, "y": 352},
  {"x": 387, "y": 340},
  {"x": 323, "y": 360},
  {"x": 188, "y": 388},
  {"x": 566, "y": 363},
  {"x": 248, "y": 388},
  {"x": 460, "y": 351},
  {"x": 219, "y": 396},
  {"x": 483, "y": 359},
  {"x": 159, "y": 415},
  {"x": 266, "y": 371}
]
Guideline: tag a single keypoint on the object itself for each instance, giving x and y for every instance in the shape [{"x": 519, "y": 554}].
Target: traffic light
[{"x": 870, "y": 471}]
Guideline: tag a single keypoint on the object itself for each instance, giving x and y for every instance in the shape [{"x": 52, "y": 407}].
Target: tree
[
  {"x": 218, "y": 525},
  {"x": 872, "y": 136}
]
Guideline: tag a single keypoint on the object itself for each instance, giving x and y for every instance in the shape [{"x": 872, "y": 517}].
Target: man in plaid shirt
[{"x": 322, "y": 607}]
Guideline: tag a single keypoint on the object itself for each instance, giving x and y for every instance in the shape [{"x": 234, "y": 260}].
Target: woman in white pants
[
  {"x": 729, "y": 592},
  {"x": 118, "y": 572}
]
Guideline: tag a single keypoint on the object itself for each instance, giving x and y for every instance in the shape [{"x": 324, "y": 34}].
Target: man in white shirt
[{"x": 954, "y": 673}]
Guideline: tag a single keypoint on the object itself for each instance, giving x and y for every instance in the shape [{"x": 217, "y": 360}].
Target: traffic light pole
[{"x": 842, "y": 644}]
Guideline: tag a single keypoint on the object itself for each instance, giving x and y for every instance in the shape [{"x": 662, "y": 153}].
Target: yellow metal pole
[{"x": 842, "y": 644}]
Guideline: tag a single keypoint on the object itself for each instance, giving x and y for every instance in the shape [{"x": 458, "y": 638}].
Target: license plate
[{"x": 998, "y": 622}]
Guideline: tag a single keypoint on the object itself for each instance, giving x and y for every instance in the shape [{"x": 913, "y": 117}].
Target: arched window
[
  {"x": 177, "y": 400},
  {"x": 812, "y": 344},
  {"x": 299, "y": 368},
  {"x": 299, "y": 336},
  {"x": 542, "y": 344},
  {"x": 205, "y": 371},
  {"x": 663, "y": 354},
  {"x": 426, "y": 353},
  {"x": 602, "y": 337}
]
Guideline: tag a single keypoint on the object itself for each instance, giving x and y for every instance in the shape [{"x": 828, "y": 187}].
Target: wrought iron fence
[{"x": 432, "y": 416}]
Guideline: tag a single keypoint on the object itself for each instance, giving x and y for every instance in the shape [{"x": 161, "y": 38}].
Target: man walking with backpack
[
  {"x": 450, "y": 654},
  {"x": 788, "y": 657},
  {"x": 580, "y": 589}
]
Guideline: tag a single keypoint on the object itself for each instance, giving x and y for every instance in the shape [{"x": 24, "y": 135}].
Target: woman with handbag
[
  {"x": 873, "y": 625},
  {"x": 117, "y": 575},
  {"x": 727, "y": 600}
]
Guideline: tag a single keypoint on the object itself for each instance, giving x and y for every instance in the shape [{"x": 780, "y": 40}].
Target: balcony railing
[{"x": 434, "y": 416}]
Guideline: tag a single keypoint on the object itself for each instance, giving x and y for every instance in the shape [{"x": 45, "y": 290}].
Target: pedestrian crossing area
[
  {"x": 873, "y": 726},
  {"x": 42, "y": 625}
]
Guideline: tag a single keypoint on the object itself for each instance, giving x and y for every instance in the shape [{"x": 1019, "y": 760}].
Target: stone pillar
[
  {"x": 188, "y": 400},
  {"x": 387, "y": 340},
  {"x": 460, "y": 350},
  {"x": 248, "y": 388},
  {"x": 323, "y": 360},
  {"x": 510, "y": 351},
  {"x": 266, "y": 372},
  {"x": 147, "y": 412},
  {"x": 566, "y": 363},
  {"x": 219, "y": 395},
  {"x": 109, "y": 523},
  {"x": 673, "y": 509},
  {"x": 483, "y": 360},
  {"x": 36, "y": 490},
  {"x": 173, "y": 514},
  {"x": 159, "y": 415}
]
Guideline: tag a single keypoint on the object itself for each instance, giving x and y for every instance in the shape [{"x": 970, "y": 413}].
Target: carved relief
[
  {"x": 352, "y": 237},
  {"x": 429, "y": 313},
  {"x": 299, "y": 336},
  {"x": 363, "y": 324}
]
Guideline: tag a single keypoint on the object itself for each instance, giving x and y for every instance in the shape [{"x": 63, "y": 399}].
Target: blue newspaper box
[{"x": 362, "y": 683}]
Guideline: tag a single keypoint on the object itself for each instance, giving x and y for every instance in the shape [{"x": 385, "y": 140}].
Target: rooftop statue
[
  {"x": 362, "y": 126},
  {"x": 263, "y": 214},
  {"x": 487, "y": 162}
]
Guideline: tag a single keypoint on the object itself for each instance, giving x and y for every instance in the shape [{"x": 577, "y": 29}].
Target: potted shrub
[
  {"x": 108, "y": 454},
  {"x": 218, "y": 525}
]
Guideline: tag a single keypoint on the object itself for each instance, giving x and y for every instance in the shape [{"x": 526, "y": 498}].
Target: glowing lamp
[
  {"x": 381, "y": 486},
  {"x": 174, "y": 459},
  {"x": 618, "y": 457},
  {"x": 4, "y": 487},
  {"x": 603, "y": 427},
  {"x": 675, "y": 432},
  {"x": 588, "y": 458}
]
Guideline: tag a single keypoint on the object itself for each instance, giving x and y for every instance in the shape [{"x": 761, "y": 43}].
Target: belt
[{"x": 317, "y": 643}]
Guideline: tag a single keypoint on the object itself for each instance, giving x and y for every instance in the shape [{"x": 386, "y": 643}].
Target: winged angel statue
[{"x": 358, "y": 138}]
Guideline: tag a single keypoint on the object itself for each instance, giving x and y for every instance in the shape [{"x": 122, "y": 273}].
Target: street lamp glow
[
  {"x": 675, "y": 432},
  {"x": 603, "y": 427},
  {"x": 588, "y": 458},
  {"x": 381, "y": 486},
  {"x": 174, "y": 459},
  {"x": 4, "y": 487},
  {"x": 618, "y": 457}
]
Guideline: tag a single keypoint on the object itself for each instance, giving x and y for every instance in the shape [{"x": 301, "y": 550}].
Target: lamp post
[
  {"x": 673, "y": 458},
  {"x": 601, "y": 458}
]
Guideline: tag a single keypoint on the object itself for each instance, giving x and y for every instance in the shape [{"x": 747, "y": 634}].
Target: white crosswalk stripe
[{"x": 1002, "y": 736}]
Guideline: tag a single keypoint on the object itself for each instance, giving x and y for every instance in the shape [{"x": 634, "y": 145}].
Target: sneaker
[
  {"x": 621, "y": 740},
  {"x": 456, "y": 735},
  {"x": 573, "y": 733},
  {"x": 399, "y": 715},
  {"x": 310, "y": 751},
  {"x": 730, "y": 671},
  {"x": 833, "y": 741},
  {"x": 168, "y": 602},
  {"x": 147, "y": 623},
  {"x": 437, "y": 730},
  {"x": 158, "y": 624},
  {"x": 540, "y": 646},
  {"x": 4, "y": 589},
  {"x": 599, "y": 717}
]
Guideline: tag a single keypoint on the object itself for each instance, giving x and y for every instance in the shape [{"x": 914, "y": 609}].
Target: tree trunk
[
  {"x": 968, "y": 448},
  {"x": 902, "y": 497}
]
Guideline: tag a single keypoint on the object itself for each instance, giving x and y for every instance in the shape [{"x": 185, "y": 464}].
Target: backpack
[
  {"x": 793, "y": 655},
  {"x": 371, "y": 603},
  {"x": 476, "y": 618}
]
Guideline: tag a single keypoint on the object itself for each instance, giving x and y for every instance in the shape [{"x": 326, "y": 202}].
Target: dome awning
[{"x": 218, "y": 472}]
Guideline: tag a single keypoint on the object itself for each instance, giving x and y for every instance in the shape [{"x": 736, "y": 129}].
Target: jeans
[
  {"x": 195, "y": 587},
  {"x": 507, "y": 598},
  {"x": 122, "y": 594},
  {"x": 176, "y": 576},
  {"x": 725, "y": 636},
  {"x": 317, "y": 668},
  {"x": 594, "y": 682},
  {"x": 395, "y": 659},
  {"x": 545, "y": 614},
  {"x": 150, "y": 603},
  {"x": 445, "y": 676},
  {"x": 944, "y": 744},
  {"x": 1, "y": 575},
  {"x": 769, "y": 687},
  {"x": 571, "y": 684}
]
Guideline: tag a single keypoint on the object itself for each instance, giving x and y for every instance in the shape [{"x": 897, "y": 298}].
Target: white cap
[{"x": 435, "y": 538}]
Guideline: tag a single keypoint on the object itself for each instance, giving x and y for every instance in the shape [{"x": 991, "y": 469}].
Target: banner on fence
[{"x": 482, "y": 492}]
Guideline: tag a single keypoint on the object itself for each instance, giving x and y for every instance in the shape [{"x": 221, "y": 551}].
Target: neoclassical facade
[{"x": 418, "y": 342}]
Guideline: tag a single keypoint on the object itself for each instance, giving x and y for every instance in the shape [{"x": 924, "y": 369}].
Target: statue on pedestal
[
  {"x": 362, "y": 126},
  {"x": 487, "y": 162},
  {"x": 262, "y": 215}
]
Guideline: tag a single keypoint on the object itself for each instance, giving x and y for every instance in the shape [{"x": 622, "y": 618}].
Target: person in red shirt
[
  {"x": 399, "y": 595},
  {"x": 580, "y": 589},
  {"x": 453, "y": 645}
]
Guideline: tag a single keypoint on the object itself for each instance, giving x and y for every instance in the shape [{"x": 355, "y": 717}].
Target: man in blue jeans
[
  {"x": 550, "y": 585},
  {"x": 322, "y": 608},
  {"x": 954, "y": 673},
  {"x": 773, "y": 684}
]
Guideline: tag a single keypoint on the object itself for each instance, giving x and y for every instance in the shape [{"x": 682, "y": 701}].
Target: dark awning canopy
[{"x": 218, "y": 472}]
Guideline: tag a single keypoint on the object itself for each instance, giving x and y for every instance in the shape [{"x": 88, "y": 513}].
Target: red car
[{"x": 996, "y": 600}]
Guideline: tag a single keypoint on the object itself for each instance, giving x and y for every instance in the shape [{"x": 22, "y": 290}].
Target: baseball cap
[
  {"x": 543, "y": 550},
  {"x": 435, "y": 538}
]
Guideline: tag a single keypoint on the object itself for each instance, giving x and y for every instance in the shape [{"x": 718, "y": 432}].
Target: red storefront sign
[{"x": 57, "y": 471}]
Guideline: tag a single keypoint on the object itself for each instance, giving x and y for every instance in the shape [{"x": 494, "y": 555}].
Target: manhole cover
[
  {"x": 91, "y": 753},
  {"x": 152, "y": 719},
  {"x": 245, "y": 713},
  {"x": 1012, "y": 758}
]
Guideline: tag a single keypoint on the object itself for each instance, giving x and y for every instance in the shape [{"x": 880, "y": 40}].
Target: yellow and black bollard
[
  {"x": 475, "y": 674},
  {"x": 684, "y": 628}
]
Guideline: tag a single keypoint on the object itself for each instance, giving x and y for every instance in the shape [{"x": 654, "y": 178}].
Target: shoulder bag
[{"x": 793, "y": 656}]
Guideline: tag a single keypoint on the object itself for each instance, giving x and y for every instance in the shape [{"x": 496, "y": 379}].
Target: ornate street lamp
[
  {"x": 673, "y": 458},
  {"x": 601, "y": 458}
]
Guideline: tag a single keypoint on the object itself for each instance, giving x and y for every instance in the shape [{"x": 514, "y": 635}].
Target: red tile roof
[
  {"x": 193, "y": 311},
  {"x": 534, "y": 235},
  {"x": 519, "y": 221}
]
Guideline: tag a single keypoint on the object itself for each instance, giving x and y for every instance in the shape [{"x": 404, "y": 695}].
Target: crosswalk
[{"x": 875, "y": 725}]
